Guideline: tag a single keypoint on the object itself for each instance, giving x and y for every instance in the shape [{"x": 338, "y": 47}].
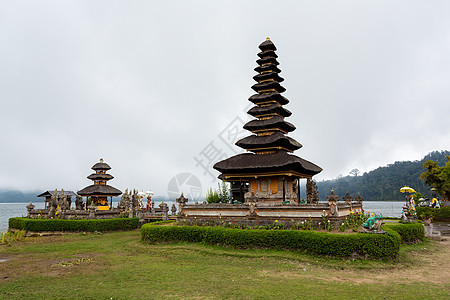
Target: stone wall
[
  {"x": 261, "y": 214},
  {"x": 78, "y": 214}
]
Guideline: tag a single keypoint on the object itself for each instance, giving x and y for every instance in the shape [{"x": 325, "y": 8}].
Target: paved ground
[{"x": 443, "y": 227}]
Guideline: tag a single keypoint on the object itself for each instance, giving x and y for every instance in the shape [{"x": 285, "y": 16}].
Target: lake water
[{"x": 8, "y": 210}]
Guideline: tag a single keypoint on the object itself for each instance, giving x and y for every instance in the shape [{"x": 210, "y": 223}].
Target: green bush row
[
  {"x": 340, "y": 245},
  {"x": 439, "y": 214},
  {"x": 159, "y": 222},
  {"x": 37, "y": 225},
  {"x": 409, "y": 233}
]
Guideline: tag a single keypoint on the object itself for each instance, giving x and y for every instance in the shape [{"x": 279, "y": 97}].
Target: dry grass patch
[
  {"x": 118, "y": 265},
  {"x": 429, "y": 265}
]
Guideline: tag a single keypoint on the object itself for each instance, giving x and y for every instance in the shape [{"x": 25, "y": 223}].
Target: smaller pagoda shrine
[{"x": 100, "y": 190}]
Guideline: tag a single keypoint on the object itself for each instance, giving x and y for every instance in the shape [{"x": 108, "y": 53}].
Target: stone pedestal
[
  {"x": 431, "y": 233},
  {"x": 30, "y": 207}
]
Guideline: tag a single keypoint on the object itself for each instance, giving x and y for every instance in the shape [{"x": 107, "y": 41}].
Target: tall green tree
[
  {"x": 354, "y": 172},
  {"x": 438, "y": 177}
]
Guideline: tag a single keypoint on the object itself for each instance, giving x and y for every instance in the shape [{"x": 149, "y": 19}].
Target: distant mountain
[
  {"x": 12, "y": 196},
  {"x": 384, "y": 183}
]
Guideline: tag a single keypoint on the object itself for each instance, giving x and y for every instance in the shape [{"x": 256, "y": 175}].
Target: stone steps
[{"x": 433, "y": 234}]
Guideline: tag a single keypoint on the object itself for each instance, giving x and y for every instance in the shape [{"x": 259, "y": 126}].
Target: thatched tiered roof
[
  {"x": 100, "y": 178},
  {"x": 269, "y": 143},
  {"x": 99, "y": 190}
]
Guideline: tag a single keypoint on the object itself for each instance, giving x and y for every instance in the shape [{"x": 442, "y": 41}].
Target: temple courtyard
[{"x": 118, "y": 265}]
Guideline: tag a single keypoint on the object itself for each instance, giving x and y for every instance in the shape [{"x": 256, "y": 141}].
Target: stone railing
[{"x": 77, "y": 214}]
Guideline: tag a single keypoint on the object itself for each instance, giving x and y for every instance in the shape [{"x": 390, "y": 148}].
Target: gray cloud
[{"x": 149, "y": 85}]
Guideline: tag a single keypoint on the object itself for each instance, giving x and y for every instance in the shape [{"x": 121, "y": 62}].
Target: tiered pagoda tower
[
  {"x": 100, "y": 190},
  {"x": 268, "y": 173}
]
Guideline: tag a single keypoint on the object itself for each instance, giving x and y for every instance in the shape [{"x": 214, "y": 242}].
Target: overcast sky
[{"x": 159, "y": 88}]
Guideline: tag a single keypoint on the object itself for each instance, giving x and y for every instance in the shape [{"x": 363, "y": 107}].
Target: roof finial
[
  {"x": 267, "y": 38},
  {"x": 101, "y": 160}
]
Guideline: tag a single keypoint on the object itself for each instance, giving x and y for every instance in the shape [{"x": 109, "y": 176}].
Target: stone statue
[
  {"x": 135, "y": 200},
  {"x": 405, "y": 213},
  {"x": 312, "y": 195},
  {"x": 359, "y": 198},
  {"x": 252, "y": 198},
  {"x": 165, "y": 209},
  {"x": 332, "y": 203},
  {"x": 315, "y": 197},
  {"x": 174, "y": 210},
  {"x": 130, "y": 210},
  {"x": 79, "y": 205},
  {"x": 295, "y": 190},
  {"x": 149, "y": 203},
  {"x": 63, "y": 203},
  {"x": 125, "y": 201},
  {"x": 30, "y": 207},
  {"x": 308, "y": 190},
  {"x": 409, "y": 211},
  {"x": 373, "y": 223},
  {"x": 333, "y": 197},
  {"x": 181, "y": 202},
  {"x": 92, "y": 208},
  {"x": 347, "y": 198},
  {"x": 252, "y": 210},
  {"x": 53, "y": 205},
  {"x": 412, "y": 207}
]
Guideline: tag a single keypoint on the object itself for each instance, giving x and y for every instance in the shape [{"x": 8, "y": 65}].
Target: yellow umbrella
[{"x": 407, "y": 189}]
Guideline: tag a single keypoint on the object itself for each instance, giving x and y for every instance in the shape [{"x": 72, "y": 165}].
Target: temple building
[
  {"x": 48, "y": 195},
  {"x": 268, "y": 172},
  {"x": 100, "y": 190}
]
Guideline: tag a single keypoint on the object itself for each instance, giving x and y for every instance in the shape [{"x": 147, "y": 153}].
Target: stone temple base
[{"x": 255, "y": 213}]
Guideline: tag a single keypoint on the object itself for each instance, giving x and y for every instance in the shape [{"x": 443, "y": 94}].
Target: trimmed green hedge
[
  {"x": 409, "y": 233},
  {"x": 159, "y": 222},
  {"x": 439, "y": 214},
  {"x": 37, "y": 225},
  {"x": 340, "y": 245}
]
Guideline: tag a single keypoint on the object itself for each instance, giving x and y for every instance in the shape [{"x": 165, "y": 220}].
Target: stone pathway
[
  {"x": 443, "y": 227},
  {"x": 437, "y": 231}
]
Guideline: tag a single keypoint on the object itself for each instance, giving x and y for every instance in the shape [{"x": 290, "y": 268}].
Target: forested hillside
[{"x": 384, "y": 183}]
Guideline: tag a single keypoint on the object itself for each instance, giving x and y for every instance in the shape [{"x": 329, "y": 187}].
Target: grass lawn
[{"x": 118, "y": 265}]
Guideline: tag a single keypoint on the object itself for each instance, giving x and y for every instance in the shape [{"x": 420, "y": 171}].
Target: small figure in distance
[{"x": 149, "y": 203}]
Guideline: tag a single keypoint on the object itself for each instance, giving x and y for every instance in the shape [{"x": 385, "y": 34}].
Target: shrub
[
  {"x": 212, "y": 196},
  {"x": 322, "y": 243},
  {"x": 409, "y": 232},
  {"x": 439, "y": 214},
  {"x": 353, "y": 221},
  {"x": 73, "y": 225},
  {"x": 10, "y": 236},
  {"x": 222, "y": 194}
]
